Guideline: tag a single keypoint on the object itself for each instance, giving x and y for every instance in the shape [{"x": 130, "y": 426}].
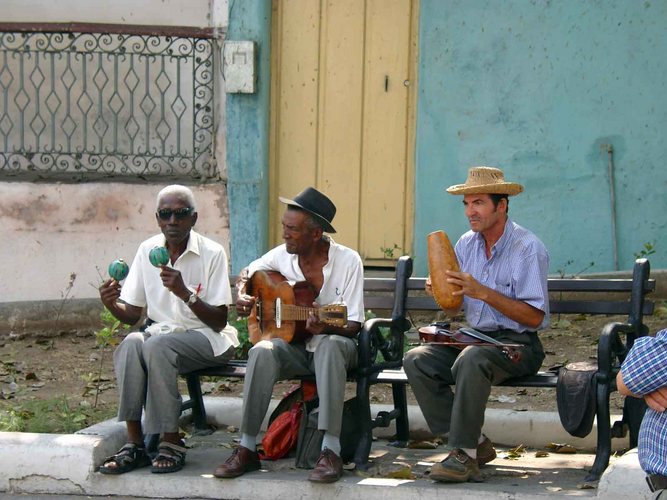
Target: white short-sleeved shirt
[
  {"x": 343, "y": 278},
  {"x": 203, "y": 267}
]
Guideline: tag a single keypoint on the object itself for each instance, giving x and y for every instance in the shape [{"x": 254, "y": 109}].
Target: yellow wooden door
[{"x": 342, "y": 101}]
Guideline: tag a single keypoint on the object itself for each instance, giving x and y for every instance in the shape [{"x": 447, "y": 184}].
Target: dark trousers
[{"x": 433, "y": 369}]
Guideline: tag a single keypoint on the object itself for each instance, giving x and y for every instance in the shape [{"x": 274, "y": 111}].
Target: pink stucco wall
[{"x": 53, "y": 230}]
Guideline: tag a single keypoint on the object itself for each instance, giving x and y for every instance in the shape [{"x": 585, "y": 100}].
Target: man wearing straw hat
[{"x": 503, "y": 281}]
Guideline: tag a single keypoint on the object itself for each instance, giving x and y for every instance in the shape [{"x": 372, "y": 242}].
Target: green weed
[
  {"x": 104, "y": 337},
  {"x": 648, "y": 249},
  {"x": 389, "y": 251},
  {"x": 54, "y": 416}
]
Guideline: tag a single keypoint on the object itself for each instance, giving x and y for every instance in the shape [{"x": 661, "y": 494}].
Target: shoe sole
[
  {"x": 324, "y": 480},
  {"x": 232, "y": 475},
  {"x": 113, "y": 471},
  {"x": 464, "y": 478}
]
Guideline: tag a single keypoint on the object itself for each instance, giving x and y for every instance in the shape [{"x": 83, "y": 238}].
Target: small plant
[
  {"x": 241, "y": 325},
  {"x": 105, "y": 337},
  {"x": 389, "y": 251},
  {"x": 64, "y": 296},
  {"x": 563, "y": 274},
  {"x": 649, "y": 249}
]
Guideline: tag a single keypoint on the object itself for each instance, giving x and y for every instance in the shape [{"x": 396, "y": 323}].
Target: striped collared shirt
[
  {"x": 644, "y": 371},
  {"x": 517, "y": 268}
]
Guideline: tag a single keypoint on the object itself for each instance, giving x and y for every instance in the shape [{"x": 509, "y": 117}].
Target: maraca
[
  {"x": 159, "y": 256},
  {"x": 118, "y": 269}
]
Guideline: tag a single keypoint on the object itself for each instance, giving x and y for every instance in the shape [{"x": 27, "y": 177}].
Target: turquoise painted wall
[
  {"x": 539, "y": 88},
  {"x": 248, "y": 139}
]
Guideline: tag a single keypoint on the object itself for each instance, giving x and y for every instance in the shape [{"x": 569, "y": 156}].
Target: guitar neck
[{"x": 292, "y": 312}]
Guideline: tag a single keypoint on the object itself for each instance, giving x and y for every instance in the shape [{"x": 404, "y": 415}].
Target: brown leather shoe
[
  {"x": 485, "y": 452},
  {"x": 242, "y": 460},
  {"x": 328, "y": 469},
  {"x": 458, "y": 467}
]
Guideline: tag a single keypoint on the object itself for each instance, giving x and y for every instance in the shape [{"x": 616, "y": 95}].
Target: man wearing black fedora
[{"x": 336, "y": 273}]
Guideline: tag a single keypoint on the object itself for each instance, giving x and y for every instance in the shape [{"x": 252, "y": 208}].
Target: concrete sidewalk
[{"x": 65, "y": 464}]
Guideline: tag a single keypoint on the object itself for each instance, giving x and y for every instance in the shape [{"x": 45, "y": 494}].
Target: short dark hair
[{"x": 496, "y": 197}]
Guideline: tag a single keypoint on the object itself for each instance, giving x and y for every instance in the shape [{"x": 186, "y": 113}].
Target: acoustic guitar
[{"x": 281, "y": 310}]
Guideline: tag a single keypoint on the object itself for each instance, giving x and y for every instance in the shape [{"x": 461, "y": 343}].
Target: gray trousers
[
  {"x": 433, "y": 369},
  {"x": 147, "y": 369},
  {"x": 275, "y": 359}
]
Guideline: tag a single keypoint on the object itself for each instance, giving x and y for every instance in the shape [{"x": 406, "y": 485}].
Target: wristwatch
[{"x": 191, "y": 299}]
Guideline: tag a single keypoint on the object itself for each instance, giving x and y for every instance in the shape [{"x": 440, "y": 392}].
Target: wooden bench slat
[
  {"x": 572, "y": 285},
  {"x": 378, "y": 302},
  {"x": 540, "y": 379}
]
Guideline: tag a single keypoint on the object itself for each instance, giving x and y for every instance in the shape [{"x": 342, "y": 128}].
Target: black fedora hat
[{"x": 315, "y": 203}]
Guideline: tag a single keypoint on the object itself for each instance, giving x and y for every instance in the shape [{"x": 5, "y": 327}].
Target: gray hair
[
  {"x": 310, "y": 221},
  {"x": 181, "y": 192}
]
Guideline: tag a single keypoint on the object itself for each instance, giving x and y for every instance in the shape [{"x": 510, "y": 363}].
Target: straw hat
[
  {"x": 315, "y": 203},
  {"x": 486, "y": 180}
]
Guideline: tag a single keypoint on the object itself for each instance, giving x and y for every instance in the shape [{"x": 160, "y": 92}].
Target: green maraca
[
  {"x": 118, "y": 269},
  {"x": 159, "y": 256}
]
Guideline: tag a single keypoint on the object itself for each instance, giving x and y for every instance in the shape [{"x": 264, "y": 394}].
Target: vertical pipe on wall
[{"x": 612, "y": 199}]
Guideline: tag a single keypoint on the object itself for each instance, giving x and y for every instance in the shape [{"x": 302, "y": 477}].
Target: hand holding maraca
[
  {"x": 171, "y": 278},
  {"x": 119, "y": 269},
  {"x": 110, "y": 289}
]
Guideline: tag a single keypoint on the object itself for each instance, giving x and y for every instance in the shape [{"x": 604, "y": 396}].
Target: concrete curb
[
  {"x": 70, "y": 459},
  {"x": 505, "y": 427},
  {"x": 66, "y": 464},
  {"x": 624, "y": 480}
]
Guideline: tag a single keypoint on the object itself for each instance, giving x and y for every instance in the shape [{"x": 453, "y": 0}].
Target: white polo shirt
[
  {"x": 343, "y": 278},
  {"x": 203, "y": 267}
]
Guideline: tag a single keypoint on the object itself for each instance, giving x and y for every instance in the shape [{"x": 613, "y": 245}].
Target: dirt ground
[{"x": 70, "y": 365}]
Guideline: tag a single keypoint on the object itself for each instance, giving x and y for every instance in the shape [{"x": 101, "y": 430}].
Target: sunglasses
[{"x": 179, "y": 213}]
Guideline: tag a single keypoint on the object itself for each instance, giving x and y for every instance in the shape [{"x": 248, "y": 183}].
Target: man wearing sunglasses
[{"x": 186, "y": 306}]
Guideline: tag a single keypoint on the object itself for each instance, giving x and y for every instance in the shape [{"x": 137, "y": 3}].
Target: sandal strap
[
  {"x": 174, "y": 448},
  {"x": 131, "y": 447},
  {"x": 171, "y": 453},
  {"x": 129, "y": 451}
]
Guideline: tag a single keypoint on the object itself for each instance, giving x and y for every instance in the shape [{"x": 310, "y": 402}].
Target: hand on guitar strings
[
  {"x": 313, "y": 323},
  {"x": 244, "y": 304}
]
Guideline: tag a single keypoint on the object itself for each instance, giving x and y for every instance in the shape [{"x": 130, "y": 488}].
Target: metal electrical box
[{"x": 238, "y": 67}]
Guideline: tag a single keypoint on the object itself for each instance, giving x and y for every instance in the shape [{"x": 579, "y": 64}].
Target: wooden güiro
[
  {"x": 441, "y": 258},
  {"x": 281, "y": 310},
  {"x": 439, "y": 333}
]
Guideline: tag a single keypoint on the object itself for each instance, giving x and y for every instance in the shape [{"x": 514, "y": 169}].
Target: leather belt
[{"x": 656, "y": 482}]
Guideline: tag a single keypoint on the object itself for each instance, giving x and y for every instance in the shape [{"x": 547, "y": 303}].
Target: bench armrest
[
  {"x": 372, "y": 340},
  {"x": 612, "y": 349}
]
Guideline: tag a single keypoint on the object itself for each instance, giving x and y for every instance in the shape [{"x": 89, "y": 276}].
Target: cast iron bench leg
[
  {"x": 197, "y": 405},
  {"x": 401, "y": 406},
  {"x": 603, "y": 451},
  {"x": 364, "y": 446}
]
